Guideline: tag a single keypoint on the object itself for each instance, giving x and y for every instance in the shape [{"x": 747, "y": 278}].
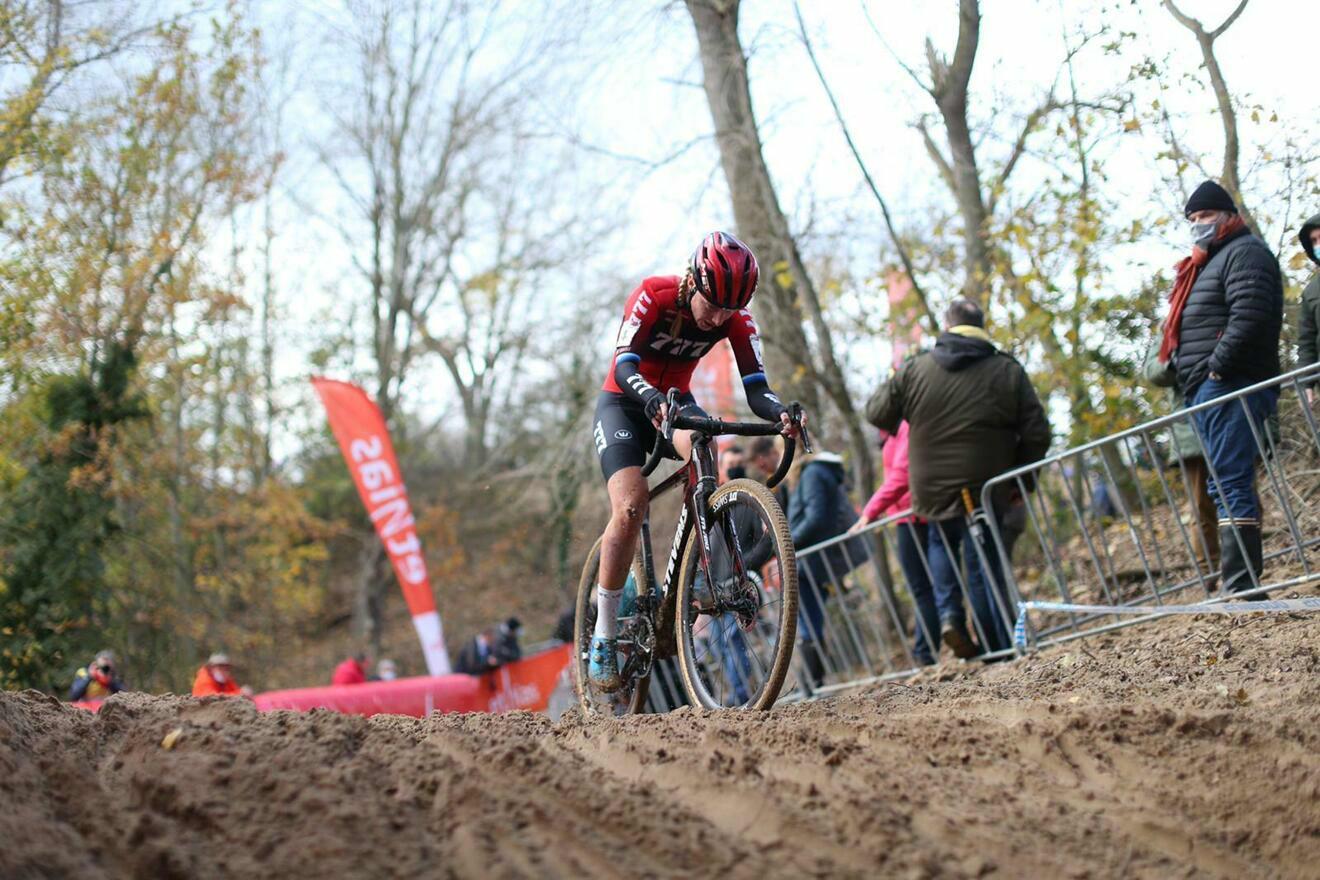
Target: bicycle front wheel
[
  {"x": 736, "y": 622},
  {"x": 631, "y": 698}
]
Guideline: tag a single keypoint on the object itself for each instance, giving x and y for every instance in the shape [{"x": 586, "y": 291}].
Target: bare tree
[
  {"x": 443, "y": 228},
  {"x": 761, "y": 220},
  {"x": 404, "y": 155},
  {"x": 904, "y": 252},
  {"x": 494, "y": 300},
  {"x": 948, "y": 86},
  {"x": 1205, "y": 39}
]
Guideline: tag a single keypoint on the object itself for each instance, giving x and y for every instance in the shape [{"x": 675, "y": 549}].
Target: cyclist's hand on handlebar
[
  {"x": 661, "y": 413},
  {"x": 790, "y": 428}
]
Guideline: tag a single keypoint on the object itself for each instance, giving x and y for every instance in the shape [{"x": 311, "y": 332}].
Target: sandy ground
[{"x": 1187, "y": 748}]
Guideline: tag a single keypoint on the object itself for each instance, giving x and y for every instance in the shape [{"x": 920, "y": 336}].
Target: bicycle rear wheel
[
  {"x": 631, "y": 698},
  {"x": 736, "y": 623}
]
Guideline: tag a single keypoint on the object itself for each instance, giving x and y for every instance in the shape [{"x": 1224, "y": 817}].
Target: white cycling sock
[{"x": 607, "y": 612}]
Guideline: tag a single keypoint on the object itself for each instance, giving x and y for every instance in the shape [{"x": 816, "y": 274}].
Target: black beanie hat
[{"x": 1210, "y": 196}]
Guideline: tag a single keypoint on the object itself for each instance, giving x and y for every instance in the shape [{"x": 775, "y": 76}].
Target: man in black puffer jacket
[
  {"x": 1308, "y": 319},
  {"x": 1222, "y": 335}
]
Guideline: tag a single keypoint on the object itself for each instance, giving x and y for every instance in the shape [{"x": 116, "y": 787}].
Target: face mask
[
  {"x": 219, "y": 675},
  {"x": 737, "y": 472},
  {"x": 1203, "y": 233}
]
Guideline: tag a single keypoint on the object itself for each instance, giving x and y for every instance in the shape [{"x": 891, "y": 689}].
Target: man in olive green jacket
[
  {"x": 1308, "y": 318},
  {"x": 972, "y": 415}
]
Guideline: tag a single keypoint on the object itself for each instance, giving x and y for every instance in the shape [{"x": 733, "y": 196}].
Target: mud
[{"x": 1187, "y": 748}]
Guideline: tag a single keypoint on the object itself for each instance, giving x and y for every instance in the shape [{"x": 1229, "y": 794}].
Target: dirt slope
[{"x": 1190, "y": 748}]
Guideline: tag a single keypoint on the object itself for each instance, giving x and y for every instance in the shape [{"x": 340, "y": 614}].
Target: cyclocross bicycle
[{"x": 727, "y": 609}]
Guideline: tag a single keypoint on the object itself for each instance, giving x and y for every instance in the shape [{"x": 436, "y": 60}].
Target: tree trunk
[
  {"x": 761, "y": 221},
  {"x": 949, "y": 85},
  {"x": 1227, "y": 115}
]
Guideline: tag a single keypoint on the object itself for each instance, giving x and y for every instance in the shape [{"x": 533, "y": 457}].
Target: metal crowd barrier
[
  {"x": 1122, "y": 520},
  {"x": 859, "y": 634},
  {"x": 1113, "y": 522}
]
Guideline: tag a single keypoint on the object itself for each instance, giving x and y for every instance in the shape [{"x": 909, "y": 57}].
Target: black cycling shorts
[{"x": 624, "y": 436}]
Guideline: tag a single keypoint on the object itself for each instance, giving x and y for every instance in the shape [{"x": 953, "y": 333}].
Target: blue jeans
[
  {"x": 911, "y": 550},
  {"x": 1230, "y": 444},
  {"x": 732, "y": 646},
  {"x": 811, "y": 611},
  {"x": 945, "y": 554}
]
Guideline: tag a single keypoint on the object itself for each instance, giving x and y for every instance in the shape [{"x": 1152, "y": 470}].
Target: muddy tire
[{"x": 732, "y": 660}]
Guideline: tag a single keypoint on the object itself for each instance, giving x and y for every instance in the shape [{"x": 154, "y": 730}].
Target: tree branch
[
  {"x": 1048, "y": 106},
  {"x": 933, "y": 323},
  {"x": 941, "y": 164}
]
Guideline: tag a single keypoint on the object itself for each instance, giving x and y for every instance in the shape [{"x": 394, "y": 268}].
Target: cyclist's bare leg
[
  {"x": 628, "y": 505},
  {"x": 629, "y": 500}
]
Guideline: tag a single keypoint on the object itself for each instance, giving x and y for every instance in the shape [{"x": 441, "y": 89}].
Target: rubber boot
[
  {"x": 954, "y": 634},
  {"x": 1236, "y": 568}
]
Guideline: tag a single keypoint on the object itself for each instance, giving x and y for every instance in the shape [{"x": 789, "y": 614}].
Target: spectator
[
  {"x": 490, "y": 649},
  {"x": 216, "y": 678},
  {"x": 1308, "y": 317},
  {"x": 819, "y": 509},
  {"x": 97, "y": 680},
  {"x": 973, "y": 415},
  {"x": 507, "y": 647},
  {"x": 1187, "y": 452},
  {"x": 1102, "y": 499},
  {"x": 894, "y": 497},
  {"x": 1013, "y": 524},
  {"x": 565, "y": 624},
  {"x": 353, "y": 670},
  {"x": 765, "y": 456},
  {"x": 386, "y": 670},
  {"x": 1222, "y": 335}
]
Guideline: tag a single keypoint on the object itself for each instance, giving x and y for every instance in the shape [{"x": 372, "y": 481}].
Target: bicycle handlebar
[{"x": 676, "y": 421}]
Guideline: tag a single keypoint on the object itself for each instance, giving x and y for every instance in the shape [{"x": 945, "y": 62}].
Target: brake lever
[
  {"x": 795, "y": 416},
  {"x": 671, "y": 410}
]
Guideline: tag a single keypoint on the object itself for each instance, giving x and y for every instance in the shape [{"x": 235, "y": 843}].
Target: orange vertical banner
[{"x": 365, "y": 443}]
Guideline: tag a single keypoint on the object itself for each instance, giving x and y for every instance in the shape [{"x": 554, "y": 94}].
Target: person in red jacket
[
  {"x": 894, "y": 497},
  {"x": 351, "y": 671},
  {"x": 216, "y": 678}
]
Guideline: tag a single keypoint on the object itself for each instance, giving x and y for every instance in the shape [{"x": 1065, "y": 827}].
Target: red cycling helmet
[{"x": 725, "y": 271}]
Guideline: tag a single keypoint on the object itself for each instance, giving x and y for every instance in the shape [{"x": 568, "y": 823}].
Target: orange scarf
[{"x": 1188, "y": 268}]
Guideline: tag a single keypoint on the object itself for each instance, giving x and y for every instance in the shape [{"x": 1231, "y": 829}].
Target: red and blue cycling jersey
[{"x": 659, "y": 344}]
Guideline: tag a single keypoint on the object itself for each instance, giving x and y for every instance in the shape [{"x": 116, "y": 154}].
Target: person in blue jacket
[{"x": 819, "y": 509}]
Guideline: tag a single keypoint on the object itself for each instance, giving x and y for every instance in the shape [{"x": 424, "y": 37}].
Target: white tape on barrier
[{"x": 1020, "y": 630}]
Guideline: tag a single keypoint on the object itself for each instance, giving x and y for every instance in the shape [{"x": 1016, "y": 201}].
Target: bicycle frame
[
  {"x": 698, "y": 478},
  {"x": 654, "y": 628}
]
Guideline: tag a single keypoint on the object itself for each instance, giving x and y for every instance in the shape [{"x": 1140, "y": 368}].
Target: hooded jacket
[
  {"x": 1308, "y": 318},
  {"x": 893, "y": 496},
  {"x": 972, "y": 415},
  {"x": 819, "y": 509},
  {"x": 1233, "y": 315}
]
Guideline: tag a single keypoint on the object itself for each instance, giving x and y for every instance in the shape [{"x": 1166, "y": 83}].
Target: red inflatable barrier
[
  {"x": 405, "y": 696},
  {"x": 527, "y": 685}
]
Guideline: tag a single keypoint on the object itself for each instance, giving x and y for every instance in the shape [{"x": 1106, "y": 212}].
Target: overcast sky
[{"x": 642, "y": 99}]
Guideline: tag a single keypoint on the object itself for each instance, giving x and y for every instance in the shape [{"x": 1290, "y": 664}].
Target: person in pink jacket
[{"x": 893, "y": 498}]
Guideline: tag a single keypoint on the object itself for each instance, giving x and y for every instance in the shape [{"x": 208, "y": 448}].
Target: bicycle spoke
[{"x": 735, "y": 620}]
